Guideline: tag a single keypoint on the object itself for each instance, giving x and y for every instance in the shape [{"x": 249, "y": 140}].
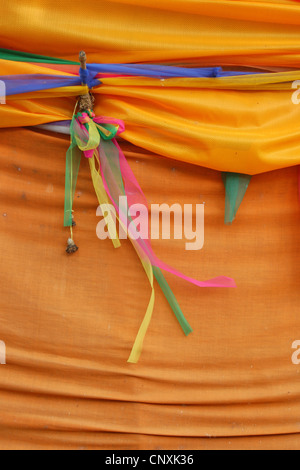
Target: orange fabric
[{"x": 69, "y": 328}]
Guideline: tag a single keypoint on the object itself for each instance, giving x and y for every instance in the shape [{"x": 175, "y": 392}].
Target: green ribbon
[
  {"x": 18, "y": 56},
  {"x": 236, "y": 186},
  {"x": 172, "y": 300}
]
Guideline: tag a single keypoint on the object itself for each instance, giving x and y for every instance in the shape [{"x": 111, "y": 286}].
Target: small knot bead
[{"x": 71, "y": 248}]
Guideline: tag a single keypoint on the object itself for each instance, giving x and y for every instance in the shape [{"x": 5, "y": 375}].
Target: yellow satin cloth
[
  {"x": 207, "y": 32},
  {"x": 246, "y": 124}
]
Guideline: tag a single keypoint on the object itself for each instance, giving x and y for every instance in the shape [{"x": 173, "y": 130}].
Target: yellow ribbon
[
  {"x": 94, "y": 162},
  {"x": 139, "y": 341},
  {"x": 138, "y": 344},
  {"x": 103, "y": 199}
]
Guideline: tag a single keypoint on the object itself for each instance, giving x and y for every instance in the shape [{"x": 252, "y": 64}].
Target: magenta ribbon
[{"x": 135, "y": 195}]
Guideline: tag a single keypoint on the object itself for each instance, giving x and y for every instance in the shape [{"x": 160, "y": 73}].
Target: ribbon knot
[
  {"x": 88, "y": 77},
  {"x": 84, "y": 118},
  {"x": 89, "y": 132},
  {"x": 112, "y": 179}
]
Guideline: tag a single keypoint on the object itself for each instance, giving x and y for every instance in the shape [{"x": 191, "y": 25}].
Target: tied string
[{"x": 113, "y": 179}]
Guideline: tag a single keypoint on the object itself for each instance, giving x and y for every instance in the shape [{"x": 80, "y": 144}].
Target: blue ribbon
[{"x": 17, "y": 84}]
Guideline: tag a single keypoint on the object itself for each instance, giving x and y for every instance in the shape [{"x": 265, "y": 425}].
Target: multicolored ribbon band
[{"x": 68, "y": 77}]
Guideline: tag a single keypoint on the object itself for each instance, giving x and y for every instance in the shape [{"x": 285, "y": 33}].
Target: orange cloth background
[{"x": 69, "y": 322}]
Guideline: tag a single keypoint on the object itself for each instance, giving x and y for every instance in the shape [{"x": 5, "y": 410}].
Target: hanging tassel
[{"x": 112, "y": 178}]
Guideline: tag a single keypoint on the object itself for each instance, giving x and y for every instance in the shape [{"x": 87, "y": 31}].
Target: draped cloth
[
  {"x": 242, "y": 125},
  {"x": 245, "y": 124},
  {"x": 68, "y": 323}
]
